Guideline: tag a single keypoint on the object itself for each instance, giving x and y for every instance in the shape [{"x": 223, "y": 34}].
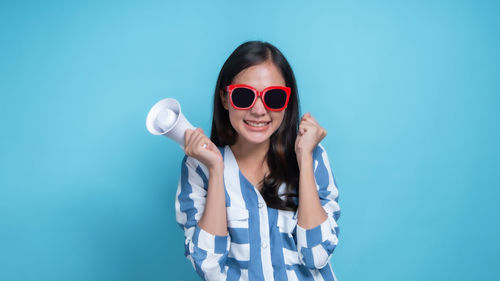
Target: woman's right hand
[{"x": 194, "y": 146}]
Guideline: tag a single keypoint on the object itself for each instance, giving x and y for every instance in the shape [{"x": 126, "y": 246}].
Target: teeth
[{"x": 256, "y": 124}]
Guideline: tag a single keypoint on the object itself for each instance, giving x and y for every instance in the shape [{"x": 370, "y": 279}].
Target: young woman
[{"x": 257, "y": 200}]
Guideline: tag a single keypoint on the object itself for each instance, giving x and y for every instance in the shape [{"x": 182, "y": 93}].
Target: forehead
[{"x": 260, "y": 76}]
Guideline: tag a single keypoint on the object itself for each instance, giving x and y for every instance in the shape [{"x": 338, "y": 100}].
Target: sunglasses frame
[{"x": 261, "y": 94}]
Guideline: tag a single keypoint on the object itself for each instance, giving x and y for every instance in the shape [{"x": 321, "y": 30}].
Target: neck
[{"x": 245, "y": 151}]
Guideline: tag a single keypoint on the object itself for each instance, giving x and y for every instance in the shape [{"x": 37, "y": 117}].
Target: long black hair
[{"x": 281, "y": 158}]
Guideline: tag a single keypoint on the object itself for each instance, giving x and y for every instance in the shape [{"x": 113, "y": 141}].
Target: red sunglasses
[{"x": 274, "y": 98}]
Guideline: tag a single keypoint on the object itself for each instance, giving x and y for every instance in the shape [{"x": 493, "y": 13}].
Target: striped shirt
[{"x": 262, "y": 243}]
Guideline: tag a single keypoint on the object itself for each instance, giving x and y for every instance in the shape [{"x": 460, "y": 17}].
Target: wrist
[
  {"x": 305, "y": 159},
  {"x": 217, "y": 168}
]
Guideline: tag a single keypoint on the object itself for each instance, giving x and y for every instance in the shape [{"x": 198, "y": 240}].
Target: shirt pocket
[
  {"x": 237, "y": 225},
  {"x": 287, "y": 223},
  {"x": 237, "y": 217}
]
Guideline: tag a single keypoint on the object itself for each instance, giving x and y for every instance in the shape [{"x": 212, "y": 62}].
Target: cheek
[
  {"x": 235, "y": 116},
  {"x": 278, "y": 116}
]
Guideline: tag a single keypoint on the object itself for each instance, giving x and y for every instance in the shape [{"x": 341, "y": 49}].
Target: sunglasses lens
[
  {"x": 243, "y": 97},
  {"x": 275, "y": 98}
]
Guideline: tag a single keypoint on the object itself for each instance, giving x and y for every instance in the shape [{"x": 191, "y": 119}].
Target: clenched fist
[
  {"x": 309, "y": 136},
  {"x": 200, "y": 147}
]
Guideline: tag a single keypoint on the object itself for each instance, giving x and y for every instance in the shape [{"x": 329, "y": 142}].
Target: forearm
[
  {"x": 310, "y": 212},
  {"x": 214, "y": 219}
]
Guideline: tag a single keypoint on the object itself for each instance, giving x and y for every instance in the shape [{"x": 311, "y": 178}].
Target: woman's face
[{"x": 248, "y": 123}]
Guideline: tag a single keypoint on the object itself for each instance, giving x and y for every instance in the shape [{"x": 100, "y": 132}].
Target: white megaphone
[{"x": 165, "y": 118}]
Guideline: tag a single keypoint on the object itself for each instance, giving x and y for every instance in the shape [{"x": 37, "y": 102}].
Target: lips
[{"x": 257, "y": 124}]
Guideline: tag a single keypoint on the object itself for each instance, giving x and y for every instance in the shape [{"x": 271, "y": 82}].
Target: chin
[{"x": 255, "y": 139}]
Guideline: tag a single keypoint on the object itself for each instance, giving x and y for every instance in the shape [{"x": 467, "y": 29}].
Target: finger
[
  {"x": 188, "y": 139},
  {"x": 195, "y": 135},
  {"x": 200, "y": 130},
  {"x": 309, "y": 127},
  {"x": 311, "y": 122},
  {"x": 302, "y": 129},
  {"x": 203, "y": 142},
  {"x": 208, "y": 144},
  {"x": 307, "y": 120},
  {"x": 310, "y": 118},
  {"x": 197, "y": 141},
  {"x": 187, "y": 135},
  {"x": 304, "y": 121}
]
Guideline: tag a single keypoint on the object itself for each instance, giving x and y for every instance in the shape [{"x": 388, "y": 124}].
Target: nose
[{"x": 259, "y": 108}]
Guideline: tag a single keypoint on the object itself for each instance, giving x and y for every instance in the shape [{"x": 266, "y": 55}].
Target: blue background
[{"x": 408, "y": 91}]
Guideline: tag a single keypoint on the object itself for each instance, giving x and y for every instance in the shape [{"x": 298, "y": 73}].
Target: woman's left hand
[{"x": 309, "y": 136}]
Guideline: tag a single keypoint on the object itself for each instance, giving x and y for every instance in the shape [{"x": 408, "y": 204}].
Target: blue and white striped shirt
[{"x": 263, "y": 243}]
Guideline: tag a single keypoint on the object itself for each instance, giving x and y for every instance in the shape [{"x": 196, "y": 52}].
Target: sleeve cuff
[
  {"x": 316, "y": 245},
  {"x": 210, "y": 242},
  {"x": 309, "y": 238}
]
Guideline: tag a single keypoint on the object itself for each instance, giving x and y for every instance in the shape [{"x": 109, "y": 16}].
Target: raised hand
[
  {"x": 309, "y": 136},
  {"x": 200, "y": 147}
]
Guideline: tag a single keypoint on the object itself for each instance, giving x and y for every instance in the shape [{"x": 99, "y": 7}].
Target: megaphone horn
[{"x": 165, "y": 118}]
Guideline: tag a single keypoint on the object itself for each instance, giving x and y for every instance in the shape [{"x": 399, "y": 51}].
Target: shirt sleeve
[
  {"x": 315, "y": 246},
  {"x": 207, "y": 252}
]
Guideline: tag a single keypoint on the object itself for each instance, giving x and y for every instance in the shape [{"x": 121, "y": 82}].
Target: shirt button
[
  {"x": 261, "y": 204},
  {"x": 264, "y": 245}
]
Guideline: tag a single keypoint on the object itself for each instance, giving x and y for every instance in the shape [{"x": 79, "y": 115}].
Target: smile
[{"x": 257, "y": 124}]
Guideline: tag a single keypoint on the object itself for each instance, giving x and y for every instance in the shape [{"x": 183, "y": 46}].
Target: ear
[{"x": 223, "y": 99}]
